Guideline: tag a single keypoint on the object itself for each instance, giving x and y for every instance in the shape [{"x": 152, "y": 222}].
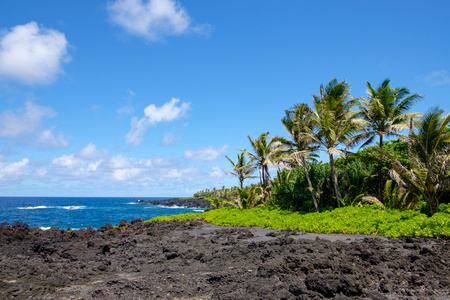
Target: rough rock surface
[
  {"x": 184, "y": 202},
  {"x": 197, "y": 260}
]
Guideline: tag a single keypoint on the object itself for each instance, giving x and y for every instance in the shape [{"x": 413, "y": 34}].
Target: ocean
[{"x": 81, "y": 212}]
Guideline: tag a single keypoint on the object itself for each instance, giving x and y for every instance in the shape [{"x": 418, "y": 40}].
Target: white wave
[
  {"x": 175, "y": 206},
  {"x": 74, "y": 207},
  {"x": 44, "y": 228},
  {"x": 35, "y": 207},
  {"x": 163, "y": 206}
]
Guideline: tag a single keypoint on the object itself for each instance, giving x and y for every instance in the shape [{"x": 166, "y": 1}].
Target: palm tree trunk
[
  {"x": 261, "y": 176},
  {"x": 335, "y": 181},
  {"x": 380, "y": 179},
  {"x": 310, "y": 184},
  {"x": 432, "y": 202},
  {"x": 266, "y": 176}
]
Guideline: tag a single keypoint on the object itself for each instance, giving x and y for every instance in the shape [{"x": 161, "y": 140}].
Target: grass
[{"x": 351, "y": 220}]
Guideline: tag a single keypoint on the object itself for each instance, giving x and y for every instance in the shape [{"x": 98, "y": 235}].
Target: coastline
[
  {"x": 179, "y": 202},
  {"x": 80, "y": 212},
  {"x": 198, "y": 260}
]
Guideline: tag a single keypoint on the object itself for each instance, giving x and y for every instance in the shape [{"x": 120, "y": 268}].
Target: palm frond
[{"x": 372, "y": 200}]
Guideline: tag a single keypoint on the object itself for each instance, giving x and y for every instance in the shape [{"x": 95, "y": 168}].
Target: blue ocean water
[{"x": 80, "y": 212}]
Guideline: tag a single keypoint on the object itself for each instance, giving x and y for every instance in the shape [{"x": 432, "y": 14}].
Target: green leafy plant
[{"x": 365, "y": 219}]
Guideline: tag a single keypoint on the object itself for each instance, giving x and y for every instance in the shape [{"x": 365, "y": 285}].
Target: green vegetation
[
  {"x": 384, "y": 114},
  {"x": 410, "y": 172},
  {"x": 241, "y": 169},
  {"x": 364, "y": 219},
  {"x": 405, "y": 180}
]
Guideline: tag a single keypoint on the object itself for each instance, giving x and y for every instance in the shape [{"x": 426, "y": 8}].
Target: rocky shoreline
[
  {"x": 198, "y": 260},
  {"x": 180, "y": 202}
]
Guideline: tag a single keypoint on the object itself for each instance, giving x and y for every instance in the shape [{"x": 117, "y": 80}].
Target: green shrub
[{"x": 351, "y": 220}]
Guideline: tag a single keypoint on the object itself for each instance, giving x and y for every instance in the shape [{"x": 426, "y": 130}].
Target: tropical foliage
[
  {"x": 300, "y": 147},
  {"x": 429, "y": 174},
  {"x": 266, "y": 152},
  {"x": 335, "y": 123},
  {"x": 411, "y": 171},
  {"x": 365, "y": 219},
  {"x": 385, "y": 115},
  {"x": 241, "y": 169}
]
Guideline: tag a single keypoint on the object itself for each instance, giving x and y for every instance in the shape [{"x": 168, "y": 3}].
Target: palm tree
[
  {"x": 334, "y": 122},
  {"x": 249, "y": 197},
  {"x": 384, "y": 113},
  {"x": 357, "y": 176},
  {"x": 429, "y": 174},
  {"x": 300, "y": 146},
  {"x": 266, "y": 152},
  {"x": 241, "y": 169}
]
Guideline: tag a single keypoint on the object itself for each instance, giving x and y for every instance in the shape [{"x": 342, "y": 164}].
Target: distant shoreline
[{"x": 179, "y": 202}]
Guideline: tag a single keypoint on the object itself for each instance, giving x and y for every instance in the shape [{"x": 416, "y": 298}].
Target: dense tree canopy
[{"x": 411, "y": 171}]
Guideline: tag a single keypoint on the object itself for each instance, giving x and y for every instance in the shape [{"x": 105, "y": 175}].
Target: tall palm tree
[
  {"x": 300, "y": 147},
  {"x": 335, "y": 123},
  {"x": 266, "y": 152},
  {"x": 429, "y": 174},
  {"x": 385, "y": 114},
  {"x": 241, "y": 169}
]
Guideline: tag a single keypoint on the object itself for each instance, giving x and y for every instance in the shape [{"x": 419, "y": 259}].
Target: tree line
[{"x": 408, "y": 168}]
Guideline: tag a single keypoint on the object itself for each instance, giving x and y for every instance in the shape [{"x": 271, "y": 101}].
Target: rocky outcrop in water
[{"x": 182, "y": 202}]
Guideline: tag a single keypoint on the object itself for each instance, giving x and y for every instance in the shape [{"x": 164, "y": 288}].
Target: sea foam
[
  {"x": 35, "y": 207},
  {"x": 74, "y": 207}
]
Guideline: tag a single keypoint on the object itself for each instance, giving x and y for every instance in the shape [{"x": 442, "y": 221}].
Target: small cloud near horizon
[
  {"x": 206, "y": 154},
  {"x": 15, "y": 171},
  {"x": 23, "y": 127}
]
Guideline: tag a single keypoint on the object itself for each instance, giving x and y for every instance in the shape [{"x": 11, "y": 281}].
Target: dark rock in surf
[{"x": 187, "y": 202}]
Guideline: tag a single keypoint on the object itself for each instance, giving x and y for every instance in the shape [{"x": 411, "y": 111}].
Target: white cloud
[
  {"x": 127, "y": 173},
  {"x": 80, "y": 166},
  {"x": 47, "y": 138},
  {"x": 153, "y": 18},
  {"x": 120, "y": 162},
  {"x": 97, "y": 170},
  {"x": 183, "y": 173},
  {"x": 174, "y": 174},
  {"x": 86, "y": 166},
  {"x": 209, "y": 153},
  {"x": 169, "y": 139},
  {"x": 216, "y": 172},
  {"x": 25, "y": 120},
  {"x": 437, "y": 78},
  {"x": 162, "y": 162},
  {"x": 24, "y": 127},
  {"x": 68, "y": 161},
  {"x": 125, "y": 110},
  {"x": 91, "y": 152},
  {"x": 15, "y": 171},
  {"x": 153, "y": 115},
  {"x": 168, "y": 112},
  {"x": 32, "y": 55}
]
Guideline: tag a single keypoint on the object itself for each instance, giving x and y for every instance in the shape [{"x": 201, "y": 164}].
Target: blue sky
[{"x": 139, "y": 98}]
